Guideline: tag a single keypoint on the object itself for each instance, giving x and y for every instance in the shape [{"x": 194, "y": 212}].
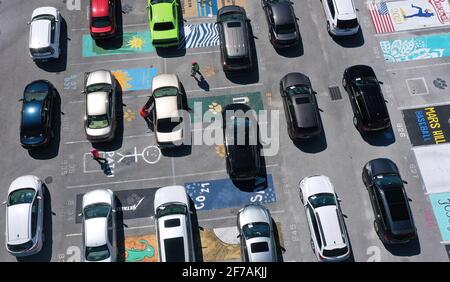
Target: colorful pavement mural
[
  {"x": 200, "y": 35},
  {"x": 416, "y": 48},
  {"x": 135, "y": 79},
  {"x": 409, "y": 14},
  {"x": 141, "y": 248}
]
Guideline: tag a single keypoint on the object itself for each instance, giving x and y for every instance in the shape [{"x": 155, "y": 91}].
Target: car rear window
[
  {"x": 167, "y": 125},
  {"x": 163, "y": 26},
  {"x": 234, "y": 24},
  {"x": 397, "y": 204},
  {"x": 335, "y": 252},
  {"x": 100, "y": 22},
  {"x": 302, "y": 100},
  {"x": 174, "y": 249},
  {"x": 285, "y": 28},
  {"x": 172, "y": 223},
  {"x": 347, "y": 24},
  {"x": 259, "y": 247},
  {"x": 239, "y": 61}
]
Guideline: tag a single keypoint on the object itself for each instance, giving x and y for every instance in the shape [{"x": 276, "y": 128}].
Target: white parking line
[
  {"x": 423, "y": 106},
  {"x": 113, "y": 61},
  {"x": 418, "y": 67},
  {"x": 153, "y": 178},
  {"x": 225, "y": 87},
  {"x": 73, "y": 235},
  {"x": 123, "y": 137}
]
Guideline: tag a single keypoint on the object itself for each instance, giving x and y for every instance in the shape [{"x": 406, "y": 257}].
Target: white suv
[
  {"x": 341, "y": 17},
  {"x": 100, "y": 110},
  {"x": 173, "y": 225},
  {"x": 45, "y": 31},
  {"x": 329, "y": 238}
]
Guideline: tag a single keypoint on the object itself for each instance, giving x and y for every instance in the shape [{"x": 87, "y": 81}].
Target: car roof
[
  {"x": 99, "y": 8},
  {"x": 305, "y": 110},
  {"x": 19, "y": 223},
  {"x": 282, "y": 13},
  {"x": 235, "y": 38},
  {"x": 345, "y": 7},
  {"x": 40, "y": 33},
  {"x": 99, "y": 76},
  {"x": 267, "y": 256},
  {"x": 176, "y": 229},
  {"x": 254, "y": 213},
  {"x": 374, "y": 105},
  {"x": 95, "y": 231},
  {"x": 162, "y": 12},
  {"x": 331, "y": 226},
  {"x": 166, "y": 107},
  {"x": 97, "y": 103},
  {"x": 395, "y": 201},
  {"x": 31, "y": 114}
]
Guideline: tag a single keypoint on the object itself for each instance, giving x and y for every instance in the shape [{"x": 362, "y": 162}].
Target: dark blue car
[{"x": 37, "y": 109}]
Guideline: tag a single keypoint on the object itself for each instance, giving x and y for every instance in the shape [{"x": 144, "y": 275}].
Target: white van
[
  {"x": 45, "y": 31},
  {"x": 341, "y": 17}
]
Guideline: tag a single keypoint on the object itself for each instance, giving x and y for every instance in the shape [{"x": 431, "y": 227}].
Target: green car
[{"x": 163, "y": 21}]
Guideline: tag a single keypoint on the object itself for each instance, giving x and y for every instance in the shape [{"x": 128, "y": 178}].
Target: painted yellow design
[
  {"x": 210, "y": 71},
  {"x": 220, "y": 151},
  {"x": 214, "y": 249},
  {"x": 269, "y": 98},
  {"x": 136, "y": 42},
  {"x": 123, "y": 79},
  {"x": 215, "y": 108},
  {"x": 129, "y": 115},
  {"x": 141, "y": 248}
]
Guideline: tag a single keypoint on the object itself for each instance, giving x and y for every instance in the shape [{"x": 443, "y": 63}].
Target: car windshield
[
  {"x": 366, "y": 81},
  {"x": 232, "y": 17},
  {"x": 98, "y": 122},
  {"x": 335, "y": 252},
  {"x": 322, "y": 199},
  {"x": 97, "y": 253},
  {"x": 36, "y": 92},
  {"x": 285, "y": 28},
  {"x": 275, "y": 1},
  {"x": 388, "y": 180},
  {"x": 163, "y": 26},
  {"x": 21, "y": 196},
  {"x": 44, "y": 17},
  {"x": 100, "y": 22},
  {"x": 256, "y": 229},
  {"x": 168, "y": 125},
  {"x": 298, "y": 89},
  {"x": 165, "y": 91},
  {"x": 170, "y": 210},
  {"x": 161, "y": 1},
  {"x": 96, "y": 210},
  {"x": 98, "y": 87},
  {"x": 347, "y": 24}
]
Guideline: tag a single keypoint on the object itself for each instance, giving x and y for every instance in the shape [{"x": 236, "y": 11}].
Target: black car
[
  {"x": 368, "y": 104},
  {"x": 234, "y": 37},
  {"x": 240, "y": 131},
  {"x": 282, "y": 22},
  {"x": 300, "y": 106},
  {"x": 393, "y": 218},
  {"x": 37, "y": 112}
]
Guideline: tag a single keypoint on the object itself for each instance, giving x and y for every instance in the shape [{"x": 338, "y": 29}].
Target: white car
[
  {"x": 45, "y": 32},
  {"x": 100, "y": 109},
  {"x": 341, "y": 17},
  {"x": 25, "y": 216},
  {"x": 256, "y": 234},
  {"x": 329, "y": 238},
  {"x": 168, "y": 102},
  {"x": 173, "y": 225},
  {"x": 99, "y": 226}
]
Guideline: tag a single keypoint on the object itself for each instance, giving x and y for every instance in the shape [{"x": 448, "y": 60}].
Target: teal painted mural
[{"x": 143, "y": 254}]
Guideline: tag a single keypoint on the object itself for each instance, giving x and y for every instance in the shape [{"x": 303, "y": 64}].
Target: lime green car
[{"x": 163, "y": 21}]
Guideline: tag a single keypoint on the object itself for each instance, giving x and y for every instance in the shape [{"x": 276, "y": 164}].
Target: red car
[{"x": 103, "y": 18}]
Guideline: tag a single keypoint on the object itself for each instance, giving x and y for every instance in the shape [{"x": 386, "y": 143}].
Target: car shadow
[
  {"x": 60, "y": 64},
  {"x": 293, "y": 51},
  {"x": 250, "y": 76},
  {"x": 356, "y": 40},
  {"x": 381, "y": 138},
  {"x": 314, "y": 145},
  {"x": 279, "y": 248},
  {"x": 411, "y": 248},
  {"x": 260, "y": 183},
  {"x": 52, "y": 149},
  {"x": 351, "y": 257},
  {"x": 117, "y": 142},
  {"x": 196, "y": 228},
  {"x": 115, "y": 42},
  {"x": 120, "y": 232},
  {"x": 45, "y": 255}
]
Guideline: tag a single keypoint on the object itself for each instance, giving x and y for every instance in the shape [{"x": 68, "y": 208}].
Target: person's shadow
[{"x": 202, "y": 83}]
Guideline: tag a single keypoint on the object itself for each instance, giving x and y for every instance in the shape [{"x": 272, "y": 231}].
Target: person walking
[
  {"x": 195, "y": 69},
  {"x": 96, "y": 156}
]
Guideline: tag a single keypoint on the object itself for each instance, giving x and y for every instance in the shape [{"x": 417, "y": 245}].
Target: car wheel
[
  {"x": 312, "y": 245},
  {"x": 328, "y": 27}
]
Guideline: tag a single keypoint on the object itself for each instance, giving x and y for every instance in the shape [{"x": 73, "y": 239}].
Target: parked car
[
  {"x": 163, "y": 21},
  {"x": 394, "y": 222},
  {"x": 300, "y": 107},
  {"x": 99, "y": 226},
  {"x": 242, "y": 148},
  {"x": 174, "y": 225},
  {"x": 166, "y": 92},
  {"x": 256, "y": 234},
  {"x": 45, "y": 33},
  {"x": 367, "y": 100},
  {"x": 329, "y": 238},
  {"x": 37, "y": 114},
  {"x": 100, "y": 106},
  {"x": 234, "y": 38},
  {"x": 282, "y": 22},
  {"x": 25, "y": 216},
  {"x": 341, "y": 17},
  {"x": 102, "y": 21}
]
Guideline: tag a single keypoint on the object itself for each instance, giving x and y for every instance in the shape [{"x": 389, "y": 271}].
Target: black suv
[
  {"x": 242, "y": 148},
  {"x": 234, "y": 37},
  {"x": 282, "y": 22},
  {"x": 393, "y": 218},
  {"x": 368, "y": 104}
]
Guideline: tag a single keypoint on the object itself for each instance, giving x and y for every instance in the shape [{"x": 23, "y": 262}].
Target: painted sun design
[
  {"x": 220, "y": 151},
  {"x": 129, "y": 115},
  {"x": 136, "y": 42},
  {"x": 215, "y": 108},
  {"x": 123, "y": 79}
]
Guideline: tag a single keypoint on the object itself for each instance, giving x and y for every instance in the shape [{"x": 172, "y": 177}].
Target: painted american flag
[{"x": 381, "y": 18}]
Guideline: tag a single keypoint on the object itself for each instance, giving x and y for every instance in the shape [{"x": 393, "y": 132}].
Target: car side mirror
[
  {"x": 238, "y": 236},
  {"x": 28, "y": 23},
  {"x": 292, "y": 3},
  {"x": 80, "y": 214},
  {"x": 378, "y": 216},
  {"x": 20, "y": 100},
  {"x": 39, "y": 197},
  {"x": 248, "y": 20},
  {"x": 4, "y": 203},
  {"x": 85, "y": 117},
  {"x": 380, "y": 82},
  {"x": 404, "y": 181}
]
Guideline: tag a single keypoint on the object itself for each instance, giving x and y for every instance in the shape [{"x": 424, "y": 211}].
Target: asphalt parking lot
[{"x": 137, "y": 166}]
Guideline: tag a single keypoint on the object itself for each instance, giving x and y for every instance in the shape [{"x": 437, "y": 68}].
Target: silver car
[
  {"x": 25, "y": 216},
  {"x": 256, "y": 234}
]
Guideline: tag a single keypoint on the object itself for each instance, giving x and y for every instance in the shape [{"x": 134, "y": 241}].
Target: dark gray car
[
  {"x": 300, "y": 106},
  {"x": 282, "y": 22}
]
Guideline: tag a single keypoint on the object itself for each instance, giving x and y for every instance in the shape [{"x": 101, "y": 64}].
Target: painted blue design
[
  {"x": 221, "y": 194},
  {"x": 214, "y": 7},
  {"x": 420, "y": 13},
  {"x": 137, "y": 79},
  {"x": 200, "y": 35},
  {"x": 441, "y": 208},
  {"x": 416, "y": 48},
  {"x": 207, "y": 8}
]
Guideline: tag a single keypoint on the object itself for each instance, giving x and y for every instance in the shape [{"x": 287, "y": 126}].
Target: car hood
[
  {"x": 170, "y": 194},
  {"x": 26, "y": 181},
  {"x": 100, "y": 76},
  {"x": 97, "y": 196},
  {"x": 318, "y": 184},
  {"x": 18, "y": 227},
  {"x": 172, "y": 137},
  {"x": 253, "y": 213},
  {"x": 382, "y": 166},
  {"x": 295, "y": 78},
  {"x": 164, "y": 80},
  {"x": 305, "y": 114},
  {"x": 98, "y": 132},
  {"x": 268, "y": 256},
  {"x": 45, "y": 11}
]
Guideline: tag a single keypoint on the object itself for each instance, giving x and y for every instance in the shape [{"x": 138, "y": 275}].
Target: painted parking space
[
  {"x": 207, "y": 8},
  {"x": 429, "y": 125},
  {"x": 135, "y": 79},
  {"x": 416, "y": 48},
  {"x": 222, "y": 193},
  {"x": 215, "y": 104},
  {"x": 409, "y": 15},
  {"x": 440, "y": 203},
  {"x": 200, "y": 35}
]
